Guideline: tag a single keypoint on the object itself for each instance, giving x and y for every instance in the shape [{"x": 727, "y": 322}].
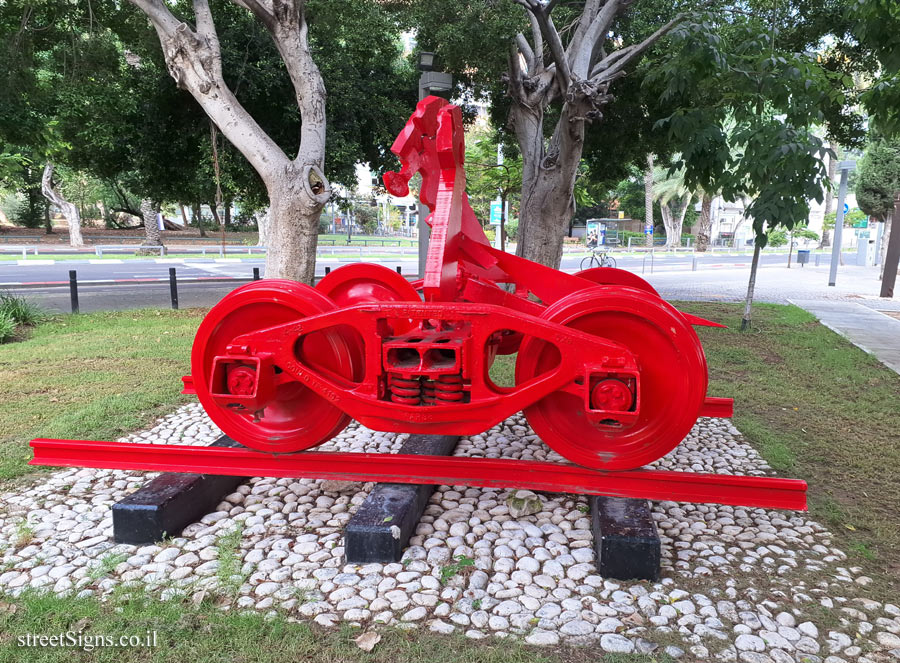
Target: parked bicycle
[{"x": 598, "y": 258}]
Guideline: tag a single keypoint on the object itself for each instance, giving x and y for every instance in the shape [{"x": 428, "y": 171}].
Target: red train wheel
[
  {"x": 614, "y": 276},
  {"x": 364, "y": 282},
  {"x": 673, "y": 378},
  {"x": 298, "y": 418}
]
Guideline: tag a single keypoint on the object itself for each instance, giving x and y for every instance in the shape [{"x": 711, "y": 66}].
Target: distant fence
[
  {"x": 93, "y": 239},
  {"x": 172, "y": 280}
]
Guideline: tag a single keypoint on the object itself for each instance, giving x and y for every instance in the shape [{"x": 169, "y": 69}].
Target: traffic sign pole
[{"x": 845, "y": 167}]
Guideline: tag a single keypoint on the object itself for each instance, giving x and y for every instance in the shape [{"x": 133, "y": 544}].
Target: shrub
[
  {"x": 19, "y": 309},
  {"x": 7, "y": 326}
]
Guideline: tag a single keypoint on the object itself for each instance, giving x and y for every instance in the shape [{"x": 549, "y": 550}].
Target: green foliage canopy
[
  {"x": 878, "y": 178},
  {"x": 97, "y": 74}
]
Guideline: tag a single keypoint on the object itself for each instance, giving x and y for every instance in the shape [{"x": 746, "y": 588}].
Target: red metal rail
[{"x": 764, "y": 492}]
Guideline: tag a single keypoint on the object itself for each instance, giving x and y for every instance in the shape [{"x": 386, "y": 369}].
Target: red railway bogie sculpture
[{"x": 608, "y": 374}]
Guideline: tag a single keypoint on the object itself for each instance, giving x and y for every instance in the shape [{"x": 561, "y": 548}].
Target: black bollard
[
  {"x": 399, "y": 269},
  {"x": 256, "y": 273},
  {"x": 173, "y": 288},
  {"x": 73, "y": 290},
  {"x": 327, "y": 271}
]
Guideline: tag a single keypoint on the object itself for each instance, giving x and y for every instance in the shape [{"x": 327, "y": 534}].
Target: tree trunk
[
  {"x": 885, "y": 236},
  {"x": 227, "y": 213},
  {"x": 292, "y": 232},
  {"x": 48, "y": 221},
  {"x": 262, "y": 225},
  {"x": 679, "y": 221},
  {"x": 547, "y": 206},
  {"x": 197, "y": 211},
  {"x": 68, "y": 209},
  {"x": 502, "y": 229},
  {"x": 184, "y": 216},
  {"x": 746, "y": 321},
  {"x": 549, "y": 169},
  {"x": 151, "y": 224},
  {"x": 648, "y": 201},
  {"x": 297, "y": 187},
  {"x": 892, "y": 257},
  {"x": 705, "y": 227},
  {"x": 215, "y": 214},
  {"x": 674, "y": 222}
]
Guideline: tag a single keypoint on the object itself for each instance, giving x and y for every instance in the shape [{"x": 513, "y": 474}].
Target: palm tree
[{"x": 674, "y": 198}]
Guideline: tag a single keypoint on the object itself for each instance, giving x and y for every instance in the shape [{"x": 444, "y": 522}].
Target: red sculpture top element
[{"x": 433, "y": 143}]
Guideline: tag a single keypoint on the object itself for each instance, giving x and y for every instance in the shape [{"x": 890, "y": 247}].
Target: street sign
[
  {"x": 496, "y": 212},
  {"x": 846, "y": 208},
  {"x": 648, "y": 228}
]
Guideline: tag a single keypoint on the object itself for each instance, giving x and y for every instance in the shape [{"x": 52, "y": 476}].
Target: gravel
[{"x": 738, "y": 584}]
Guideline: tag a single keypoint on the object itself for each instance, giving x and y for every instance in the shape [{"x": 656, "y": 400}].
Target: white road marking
[{"x": 35, "y": 262}]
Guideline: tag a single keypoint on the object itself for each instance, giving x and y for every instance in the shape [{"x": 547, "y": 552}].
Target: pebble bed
[{"x": 738, "y": 584}]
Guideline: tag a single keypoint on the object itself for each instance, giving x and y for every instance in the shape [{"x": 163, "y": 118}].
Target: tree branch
[
  {"x": 587, "y": 16},
  {"x": 604, "y": 71},
  {"x": 538, "y": 40},
  {"x": 525, "y": 49},
  {"x": 206, "y": 27},
  {"x": 549, "y": 32},
  {"x": 264, "y": 14},
  {"x": 160, "y": 16},
  {"x": 127, "y": 207},
  {"x": 595, "y": 33},
  {"x": 286, "y": 24},
  {"x": 47, "y": 186},
  {"x": 515, "y": 73},
  {"x": 194, "y": 61}
]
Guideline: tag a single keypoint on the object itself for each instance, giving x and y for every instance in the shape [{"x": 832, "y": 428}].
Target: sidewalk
[
  {"x": 873, "y": 331},
  {"x": 777, "y": 285}
]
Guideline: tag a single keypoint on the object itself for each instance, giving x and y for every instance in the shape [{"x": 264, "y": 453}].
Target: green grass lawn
[
  {"x": 93, "y": 376},
  {"x": 817, "y": 408},
  {"x": 206, "y": 634},
  {"x": 341, "y": 238}
]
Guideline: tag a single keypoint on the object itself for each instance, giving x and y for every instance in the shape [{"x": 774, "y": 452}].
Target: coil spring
[
  {"x": 406, "y": 391},
  {"x": 449, "y": 388},
  {"x": 428, "y": 391}
]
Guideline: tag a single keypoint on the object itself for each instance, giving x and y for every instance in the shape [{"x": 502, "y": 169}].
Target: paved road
[
  {"x": 17, "y": 272},
  {"x": 774, "y": 284}
]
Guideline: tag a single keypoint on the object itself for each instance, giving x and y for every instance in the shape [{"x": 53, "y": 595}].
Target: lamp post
[
  {"x": 430, "y": 82},
  {"x": 845, "y": 167}
]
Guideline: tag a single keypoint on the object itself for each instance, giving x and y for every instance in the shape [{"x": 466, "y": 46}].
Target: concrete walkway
[{"x": 873, "y": 331}]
